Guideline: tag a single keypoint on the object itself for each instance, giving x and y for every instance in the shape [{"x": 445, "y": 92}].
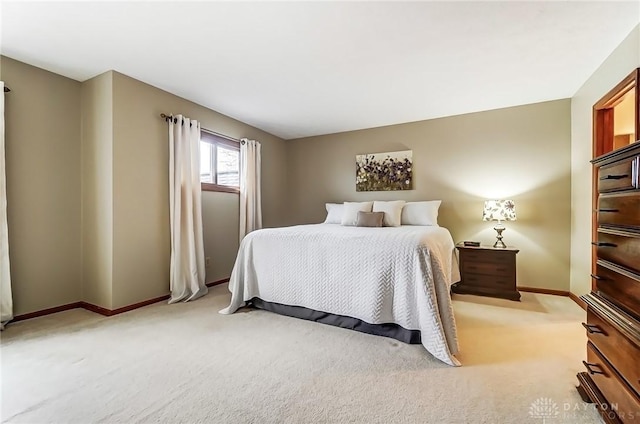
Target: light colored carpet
[{"x": 187, "y": 363}]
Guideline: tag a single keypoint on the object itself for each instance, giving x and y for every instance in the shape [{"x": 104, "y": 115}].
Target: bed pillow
[
  {"x": 369, "y": 219},
  {"x": 351, "y": 209},
  {"x": 392, "y": 212},
  {"x": 334, "y": 213},
  {"x": 421, "y": 213}
]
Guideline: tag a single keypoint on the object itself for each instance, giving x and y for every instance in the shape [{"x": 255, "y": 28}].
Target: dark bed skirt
[{"x": 387, "y": 330}]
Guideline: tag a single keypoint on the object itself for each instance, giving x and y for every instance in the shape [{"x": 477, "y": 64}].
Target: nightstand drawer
[
  {"x": 487, "y": 268},
  {"x": 493, "y": 256},
  {"x": 480, "y": 280}
]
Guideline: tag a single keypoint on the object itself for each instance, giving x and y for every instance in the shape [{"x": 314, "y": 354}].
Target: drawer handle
[
  {"x": 593, "y": 329},
  {"x": 598, "y": 277},
  {"x": 614, "y": 177},
  {"x": 603, "y": 244},
  {"x": 608, "y": 210},
  {"x": 588, "y": 366}
]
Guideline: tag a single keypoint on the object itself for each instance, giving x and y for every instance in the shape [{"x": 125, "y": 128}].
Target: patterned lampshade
[{"x": 499, "y": 210}]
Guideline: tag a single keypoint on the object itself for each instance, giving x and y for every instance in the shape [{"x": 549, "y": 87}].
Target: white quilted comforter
[{"x": 398, "y": 275}]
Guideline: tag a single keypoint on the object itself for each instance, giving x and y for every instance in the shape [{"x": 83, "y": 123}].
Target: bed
[{"x": 392, "y": 281}]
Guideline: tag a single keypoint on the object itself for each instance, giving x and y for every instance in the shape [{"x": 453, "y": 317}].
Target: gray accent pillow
[{"x": 370, "y": 219}]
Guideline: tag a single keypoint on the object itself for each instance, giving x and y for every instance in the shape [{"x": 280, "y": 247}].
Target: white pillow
[
  {"x": 421, "y": 213},
  {"x": 351, "y": 209},
  {"x": 334, "y": 213},
  {"x": 392, "y": 212}
]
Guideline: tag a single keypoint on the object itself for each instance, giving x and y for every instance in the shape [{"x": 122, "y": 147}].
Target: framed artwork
[{"x": 384, "y": 171}]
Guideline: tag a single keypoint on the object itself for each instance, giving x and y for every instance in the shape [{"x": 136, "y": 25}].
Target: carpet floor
[{"x": 185, "y": 363}]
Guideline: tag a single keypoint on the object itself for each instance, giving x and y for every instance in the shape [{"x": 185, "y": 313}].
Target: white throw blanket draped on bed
[{"x": 398, "y": 275}]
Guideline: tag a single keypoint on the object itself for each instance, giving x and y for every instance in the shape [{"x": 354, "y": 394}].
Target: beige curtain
[
  {"x": 250, "y": 197},
  {"x": 187, "y": 246},
  {"x": 6, "y": 300}
]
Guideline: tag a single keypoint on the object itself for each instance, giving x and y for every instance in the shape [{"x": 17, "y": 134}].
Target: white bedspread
[{"x": 398, "y": 275}]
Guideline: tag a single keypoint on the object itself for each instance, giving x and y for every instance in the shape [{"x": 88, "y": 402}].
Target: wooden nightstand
[{"x": 487, "y": 271}]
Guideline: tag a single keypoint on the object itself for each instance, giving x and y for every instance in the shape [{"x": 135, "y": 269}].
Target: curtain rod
[{"x": 168, "y": 117}]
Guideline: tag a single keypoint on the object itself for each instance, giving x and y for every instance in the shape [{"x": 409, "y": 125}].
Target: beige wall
[
  {"x": 624, "y": 59},
  {"x": 43, "y": 186},
  {"x": 97, "y": 190},
  {"x": 141, "y": 242},
  {"x": 521, "y": 153},
  {"x": 88, "y": 202}
]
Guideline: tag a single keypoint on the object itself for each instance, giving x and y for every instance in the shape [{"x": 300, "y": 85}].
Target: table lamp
[{"x": 499, "y": 210}]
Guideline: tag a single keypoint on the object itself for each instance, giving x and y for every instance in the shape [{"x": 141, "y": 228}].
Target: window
[{"x": 219, "y": 163}]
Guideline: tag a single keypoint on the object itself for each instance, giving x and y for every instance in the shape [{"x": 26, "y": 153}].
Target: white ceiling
[{"x": 298, "y": 69}]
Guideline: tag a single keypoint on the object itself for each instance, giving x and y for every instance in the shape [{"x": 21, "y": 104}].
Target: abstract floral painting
[{"x": 384, "y": 171}]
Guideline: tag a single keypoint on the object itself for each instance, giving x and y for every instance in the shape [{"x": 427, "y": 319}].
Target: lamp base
[{"x": 499, "y": 244}]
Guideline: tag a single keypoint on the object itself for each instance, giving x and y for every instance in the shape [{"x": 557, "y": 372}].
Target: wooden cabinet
[
  {"x": 487, "y": 271},
  {"x": 612, "y": 376}
]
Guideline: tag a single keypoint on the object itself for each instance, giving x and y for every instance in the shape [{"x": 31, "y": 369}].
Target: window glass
[
  {"x": 228, "y": 166},
  {"x": 219, "y": 163},
  {"x": 206, "y": 176}
]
